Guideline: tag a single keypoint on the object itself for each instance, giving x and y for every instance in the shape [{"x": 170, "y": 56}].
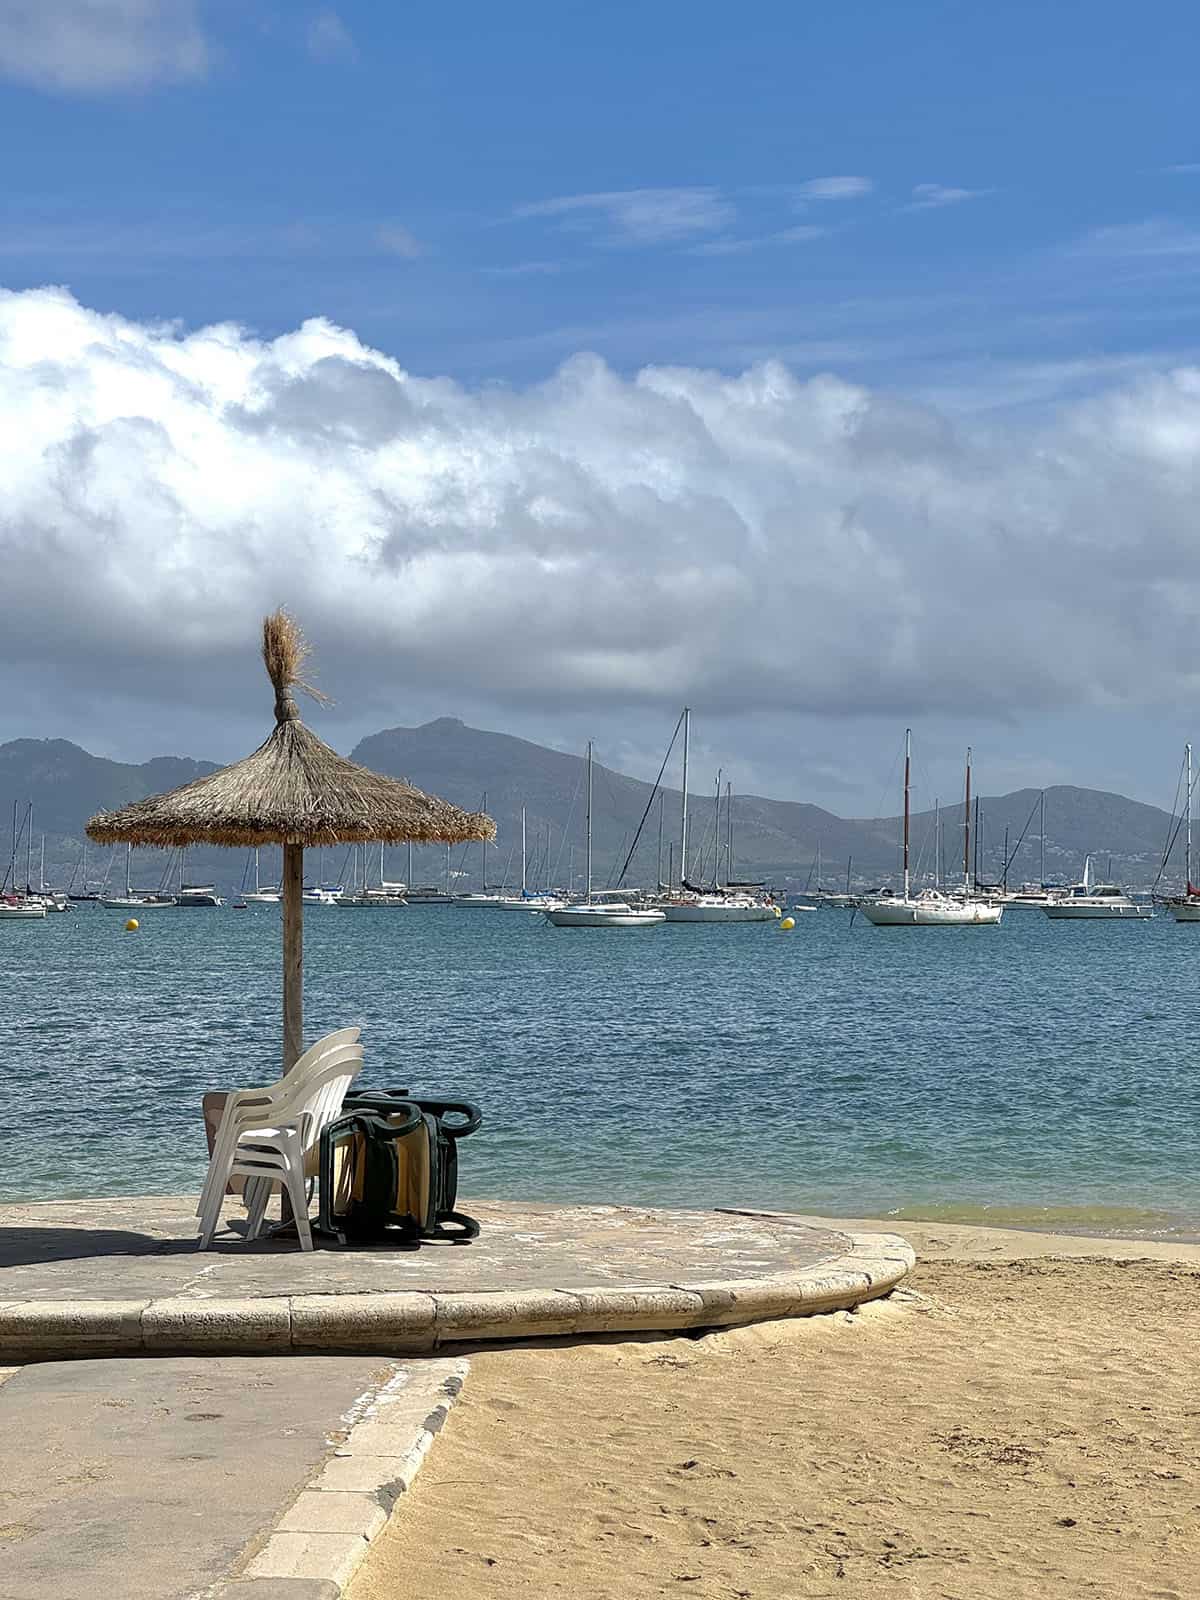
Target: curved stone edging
[{"x": 420, "y": 1321}]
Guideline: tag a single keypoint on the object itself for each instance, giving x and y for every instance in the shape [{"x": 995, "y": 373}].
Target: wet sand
[{"x": 1024, "y": 1420}]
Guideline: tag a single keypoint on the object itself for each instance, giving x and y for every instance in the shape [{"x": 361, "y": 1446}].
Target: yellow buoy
[
  {"x": 132, "y": 925},
  {"x": 788, "y": 924}
]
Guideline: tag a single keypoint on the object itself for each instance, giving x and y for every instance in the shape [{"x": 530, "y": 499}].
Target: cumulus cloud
[
  {"x": 640, "y": 216},
  {"x": 753, "y": 542},
  {"x": 99, "y": 45}
]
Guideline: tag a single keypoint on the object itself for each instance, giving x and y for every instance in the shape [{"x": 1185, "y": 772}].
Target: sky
[{"x": 831, "y": 369}]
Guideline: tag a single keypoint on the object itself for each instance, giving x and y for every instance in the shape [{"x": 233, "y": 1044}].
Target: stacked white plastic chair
[{"x": 266, "y": 1134}]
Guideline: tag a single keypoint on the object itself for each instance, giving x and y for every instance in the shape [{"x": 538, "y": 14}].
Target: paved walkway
[
  {"x": 123, "y": 1276},
  {"x": 246, "y": 1479}
]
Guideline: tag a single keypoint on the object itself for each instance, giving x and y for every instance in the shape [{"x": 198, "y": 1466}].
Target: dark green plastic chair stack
[{"x": 389, "y": 1169}]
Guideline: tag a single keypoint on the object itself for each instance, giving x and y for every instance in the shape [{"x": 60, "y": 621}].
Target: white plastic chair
[
  {"x": 266, "y": 1134},
  {"x": 233, "y": 1120}
]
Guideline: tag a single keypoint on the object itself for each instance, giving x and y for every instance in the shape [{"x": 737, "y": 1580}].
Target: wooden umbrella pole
[{"x": 293, "y": 955}]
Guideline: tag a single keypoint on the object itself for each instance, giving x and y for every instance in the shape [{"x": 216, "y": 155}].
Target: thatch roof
[{"x": 293, "y": 790}]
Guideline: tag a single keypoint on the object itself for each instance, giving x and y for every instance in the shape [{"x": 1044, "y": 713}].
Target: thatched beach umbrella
[{"x": 294, "y": 791}]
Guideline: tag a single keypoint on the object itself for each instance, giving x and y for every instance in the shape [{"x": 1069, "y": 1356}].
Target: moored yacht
[
  {"x": 931, "y": 908},
  {"x": 602, "y": 910},
  {"x": 1087, "y": 901}
]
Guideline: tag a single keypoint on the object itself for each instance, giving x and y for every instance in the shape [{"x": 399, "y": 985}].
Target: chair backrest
[
  {"x": 323, "y": 1093},
  {"x": 331, "y": 1041}
]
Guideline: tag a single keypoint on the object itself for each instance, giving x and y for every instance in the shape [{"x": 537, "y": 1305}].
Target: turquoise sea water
[{"x": 1041, "y": 1073}]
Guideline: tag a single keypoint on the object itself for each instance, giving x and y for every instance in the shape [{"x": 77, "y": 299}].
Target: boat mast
[
  {"x": 257, "y": 885},
  {"x": 523, "y": 873},
  {"x": 1188, "y": 846},
  {"x": 1004, "y": 881},
  {"x": 42, "y": 867},
  {"x": 1042, "y": 804},
  {"x": 410, "y": 877},
  {"x": 937, "y": 843},
  {"x": 907, "y": 805},
  {"x": 661, "y": 798},
  {"x": 729, "y": 832},
  {"x": 29, "y": 848},
  {"x": 589, "y": 821},
  {"x": 447, "y": 869},
  {"x": 483, "y": 847},
  {"x": 128, "y": 869},
  {"x": 717, "y": 835},
  {"x": 849, "y": 863},
  {"x": 683, "y": 826},
  {"x": 967, "y": 830}
]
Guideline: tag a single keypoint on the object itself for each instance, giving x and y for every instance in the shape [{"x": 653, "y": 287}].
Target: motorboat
[
  {"x": 931, "y": 908},
  {"x": 1086, "y": 901},
  {"x": 427, "y": 895},
  {"x": 197, "y": 894},
  {"x": 319, "y": 897}
]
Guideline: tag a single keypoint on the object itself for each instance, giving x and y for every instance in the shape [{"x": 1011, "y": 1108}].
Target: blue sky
[
  {"x": 485, "y": 190},
  {"x": 896, "y": 416}
]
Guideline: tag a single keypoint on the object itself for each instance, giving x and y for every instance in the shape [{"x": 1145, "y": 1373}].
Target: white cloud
[
  {"x": 397, "y": 240},
  {"x": 738, "y": 247},
  {"x": 101, "y": 45},
  {"x": 933, "y": 196},
  {"x": 835, "y": 188},
  {"x": 1153, "y": 238},
  {"x": 1184, "y": 168},
  {"x": 329, "y": 39},
  {"x": 641, "y": 216},
  {"x": 753, "y": 542}
]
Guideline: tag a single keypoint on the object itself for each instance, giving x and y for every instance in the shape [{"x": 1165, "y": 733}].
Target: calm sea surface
[{"x": 1040, "y": 1073}]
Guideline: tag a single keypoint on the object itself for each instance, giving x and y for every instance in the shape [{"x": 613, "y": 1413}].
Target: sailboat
[
  {"x": 259, "y": 895},
  {"x": 527, "y": 900},
  {"x": 720, "y": 903},
  {"x": 1187, "y": 909},
  {"x": 130, "y": 901},
  {"x": 602, "y": 913},
  {"x": 931, "y": 908}
]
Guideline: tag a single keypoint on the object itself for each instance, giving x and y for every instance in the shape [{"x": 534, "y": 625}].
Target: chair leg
[
  {"x": 258, "y": 1197},
  {"x": 209, "y": 1223},
  {"x": 295, "y": 1186}
]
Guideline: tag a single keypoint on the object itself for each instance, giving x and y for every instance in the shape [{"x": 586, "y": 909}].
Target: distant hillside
[
  {"x": 774, "y": 839},
  {"x": 779, "y": 839},
  {"x": 67, "y": 786}
]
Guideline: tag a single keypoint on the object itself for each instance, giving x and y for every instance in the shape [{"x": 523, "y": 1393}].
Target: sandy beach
[{"x": 1023, "y": 1420}]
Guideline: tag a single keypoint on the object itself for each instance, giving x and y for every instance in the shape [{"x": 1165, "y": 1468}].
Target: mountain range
[{"x": 777, "y": 840}]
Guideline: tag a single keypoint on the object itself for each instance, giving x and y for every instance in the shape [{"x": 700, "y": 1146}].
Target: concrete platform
[{"x": 123, "y": 1277}]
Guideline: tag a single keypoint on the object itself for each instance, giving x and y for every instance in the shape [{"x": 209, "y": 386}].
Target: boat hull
[
  {"x": 599, "y": 917},
  {"x": 9, "y": 913},
  {"x": 900, "y": 913},
  {"x": 1077, "y": 913},
  {"x": 1189, "y": 911},
  {"x": 685, "y": 912}
]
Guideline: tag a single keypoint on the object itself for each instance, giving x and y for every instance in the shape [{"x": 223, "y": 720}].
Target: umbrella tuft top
[{"x": 294, "y": 789}]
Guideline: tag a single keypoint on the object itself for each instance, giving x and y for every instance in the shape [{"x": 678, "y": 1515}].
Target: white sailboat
[
  {"x": 527, "y": 900},
  {"x": 718, "y": 904},
  {"x": 931, "y": 908},
  {"x": 130, "y": 901},
  {"x": 260, "y": 896},
  {"x": 596, "y": 912},
  {"x": 1086, "y": 901},
  {"x": 1187, "y": 909}
]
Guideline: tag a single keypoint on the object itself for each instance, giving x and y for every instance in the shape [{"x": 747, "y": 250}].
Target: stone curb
[
  {"x": 421, "y": 1321},
  {"x": 320, "y": 1541}
]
